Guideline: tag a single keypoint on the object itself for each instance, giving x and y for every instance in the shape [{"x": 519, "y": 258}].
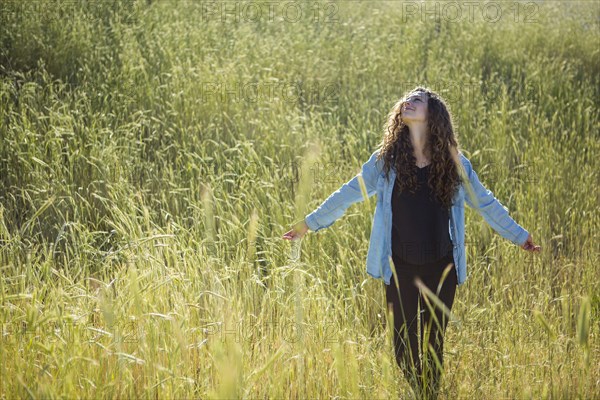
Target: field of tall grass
[{"x": 153, "y": 153}]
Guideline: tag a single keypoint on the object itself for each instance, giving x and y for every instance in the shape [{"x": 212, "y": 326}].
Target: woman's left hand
[{"x": 530, "y": 246}]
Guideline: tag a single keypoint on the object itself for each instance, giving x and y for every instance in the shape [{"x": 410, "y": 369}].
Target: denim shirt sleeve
[
  {"x": 492, "y": 211},
  {"x": 349, "y": 193}
]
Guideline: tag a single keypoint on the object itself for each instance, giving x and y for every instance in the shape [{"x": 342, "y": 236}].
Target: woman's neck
[{"x": 418, "y": 139}]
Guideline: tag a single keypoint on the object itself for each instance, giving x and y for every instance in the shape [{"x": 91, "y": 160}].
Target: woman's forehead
[{"x": 414, "y": 95}]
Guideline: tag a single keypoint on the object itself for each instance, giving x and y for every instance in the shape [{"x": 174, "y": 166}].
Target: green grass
[{"x": 141, "y": 214}]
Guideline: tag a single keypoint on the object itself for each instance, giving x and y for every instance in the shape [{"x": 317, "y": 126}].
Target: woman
[{"x": 422, "y": 182}]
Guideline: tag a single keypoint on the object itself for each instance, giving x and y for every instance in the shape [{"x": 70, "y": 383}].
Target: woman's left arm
[{"x": 494, "y": 213}]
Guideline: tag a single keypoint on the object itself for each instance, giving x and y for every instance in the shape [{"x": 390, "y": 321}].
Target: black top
[{"x": 419, "y": 224}]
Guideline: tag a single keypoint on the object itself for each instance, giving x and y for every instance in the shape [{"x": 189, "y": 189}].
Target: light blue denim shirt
[{"x": 380, "y": 247}]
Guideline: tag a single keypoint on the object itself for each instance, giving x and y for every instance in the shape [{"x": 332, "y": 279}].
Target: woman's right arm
[
  {"x": 349, "y": 193},
  {"x": 336, "y": 204}
]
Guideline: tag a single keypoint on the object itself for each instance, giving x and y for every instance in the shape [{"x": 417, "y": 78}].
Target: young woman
[{"x": 422, "y": 181}]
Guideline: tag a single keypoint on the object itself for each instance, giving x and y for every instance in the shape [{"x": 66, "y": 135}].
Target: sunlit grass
[{"x": 141, "y": 212}]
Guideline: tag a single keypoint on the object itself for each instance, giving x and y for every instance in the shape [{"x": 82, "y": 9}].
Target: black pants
[{"x": 403, "y": 302}]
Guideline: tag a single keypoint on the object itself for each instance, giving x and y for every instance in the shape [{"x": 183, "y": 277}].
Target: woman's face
[{"x": 414, "y": 109}]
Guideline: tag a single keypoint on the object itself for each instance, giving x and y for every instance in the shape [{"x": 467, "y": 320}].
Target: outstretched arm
[
  {"x": 349, "y": 193},
  {"x": 491, "y": 209}
]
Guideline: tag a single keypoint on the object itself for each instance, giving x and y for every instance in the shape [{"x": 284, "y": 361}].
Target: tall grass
[{"x": 141, "y": 209}]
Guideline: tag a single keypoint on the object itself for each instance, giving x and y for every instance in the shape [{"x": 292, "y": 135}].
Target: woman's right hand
[
  {"x": 297, "y": 231},
  {"x": 530, "y": 246}
]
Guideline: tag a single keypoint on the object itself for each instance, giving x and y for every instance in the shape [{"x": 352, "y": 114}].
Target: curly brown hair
[{"x": 442, "y": 147}]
